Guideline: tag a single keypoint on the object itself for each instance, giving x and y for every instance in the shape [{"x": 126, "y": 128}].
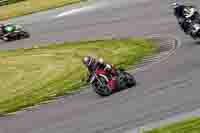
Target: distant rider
[
  {"x": 92, "y": 64},
  {"x": 6, "y": 28},
  {"x": 186, "y": 14}
]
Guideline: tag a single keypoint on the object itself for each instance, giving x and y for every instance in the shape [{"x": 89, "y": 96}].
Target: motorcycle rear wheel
[
  {"x": 131, "y": 81},
  {"x": 24, "y": 34}
]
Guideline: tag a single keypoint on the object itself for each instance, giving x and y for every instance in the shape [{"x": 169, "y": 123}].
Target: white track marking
[
  {"x": 95, "y": 6},
  {"x": 82, "y": 9},
  {"x": 160, "y": 60}
]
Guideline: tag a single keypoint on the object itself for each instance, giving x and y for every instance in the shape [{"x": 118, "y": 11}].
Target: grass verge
[
  {"x": 31, "y": 6},
  {"x": 191, "y": 125},
  {"x": 30, "y": 76}
]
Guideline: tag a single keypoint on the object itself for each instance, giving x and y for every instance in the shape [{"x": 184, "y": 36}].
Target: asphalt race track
[{"x": 164, "y": 90}]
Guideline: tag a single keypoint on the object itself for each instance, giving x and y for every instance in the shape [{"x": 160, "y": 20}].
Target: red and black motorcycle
[{"x": 105, "y": 84}]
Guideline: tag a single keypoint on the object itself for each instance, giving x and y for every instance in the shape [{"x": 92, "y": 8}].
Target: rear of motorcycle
[
  {"x": 196, "y": 30},
  {"x": 24, "y": 34},
  {"x": 125, "y": 79}
]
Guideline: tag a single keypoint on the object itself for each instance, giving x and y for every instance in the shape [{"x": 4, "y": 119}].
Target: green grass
[
  {"x": 191, "y": 125},
  {"x": 8, "y": 2},
  {"x": 30, "y": 76},
  {"x": 31, "y": 6}
]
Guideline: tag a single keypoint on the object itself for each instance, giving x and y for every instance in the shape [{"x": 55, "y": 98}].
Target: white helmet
[
  {"x": 87, "y": 60},
  {"x": 189, "y": 12},
  {"x": 101, "y": 60}
]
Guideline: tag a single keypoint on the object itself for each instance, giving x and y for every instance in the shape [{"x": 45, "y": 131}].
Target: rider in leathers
[
  {"x": 92, "y": 64},
  {"x": 3, "y": 29},
  {"x": 186, "y": 15}
]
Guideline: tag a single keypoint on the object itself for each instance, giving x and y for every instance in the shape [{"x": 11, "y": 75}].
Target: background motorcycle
[
  {"x": 99, "y": 82},
  {"x": 192, "y": 25},
  {"x": 19, "y": 33}
]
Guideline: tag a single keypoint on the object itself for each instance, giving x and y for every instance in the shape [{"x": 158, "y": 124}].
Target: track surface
[{"x": 168, "y": 88}]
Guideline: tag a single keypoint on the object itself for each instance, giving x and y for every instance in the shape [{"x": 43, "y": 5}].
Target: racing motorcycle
[
  {"x": 193, "y": 23},
  {"x": 17, "y": 34},
  {"x": 100, "y": 82}
]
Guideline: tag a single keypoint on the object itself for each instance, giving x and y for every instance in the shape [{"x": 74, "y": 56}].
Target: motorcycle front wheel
[{"x": 101, "y": 88}]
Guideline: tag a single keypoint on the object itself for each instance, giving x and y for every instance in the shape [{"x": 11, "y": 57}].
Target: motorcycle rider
[
  {"x": 92, "y": 64},
  {"x": 6, "y": 28},
  {"x": 186, "y": 14}
]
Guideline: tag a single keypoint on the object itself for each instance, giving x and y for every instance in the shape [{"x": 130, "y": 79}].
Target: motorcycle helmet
[
  {"x": 87, "y": 60},
  {"x": 101, "y": 60},
  {"x": 188, "y": 12}
]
